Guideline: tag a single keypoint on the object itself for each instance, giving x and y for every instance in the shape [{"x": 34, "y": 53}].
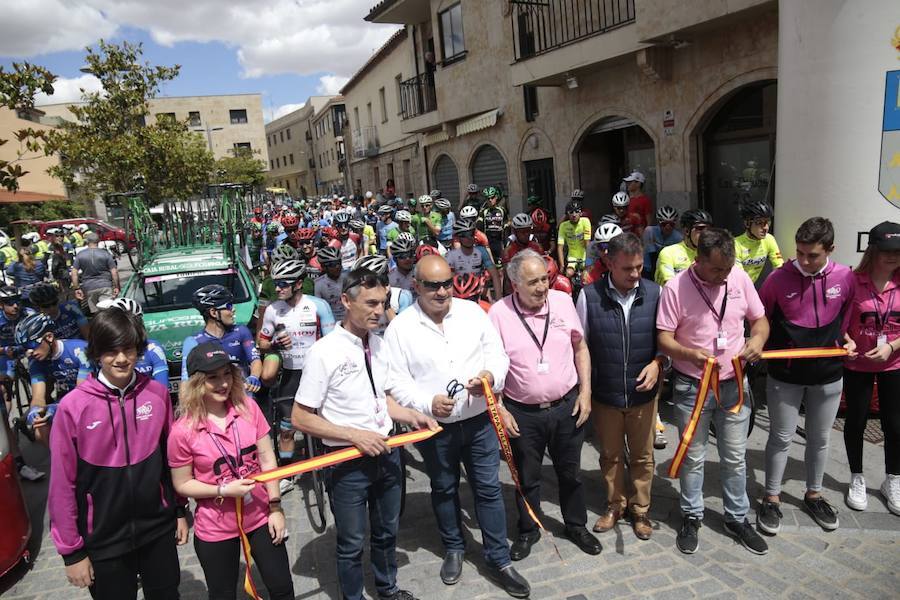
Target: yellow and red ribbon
[
  {"x": 304, "y": 466},
  {"x": 709, "y": 380}
]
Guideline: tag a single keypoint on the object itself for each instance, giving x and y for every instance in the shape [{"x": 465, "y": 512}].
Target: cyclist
[
  {"x": 470, "y": 258},
  {"x": 272, "y": 233},
  {"x": 328, "y": 285},
  {"x": 385, "y": 225},
  {"x": 605, "y": 232},
  {"x": 152, "y": 361},
  {"x": 557, "y": 280},
  {"x": 656, "y": 237},
  {"x": 571, "y": 242},
  {"x": 578, "y": 196},
  {"x": 42, "y": 247},
  {"x": 255, "y": 246},
  {"x": 442, "y": 208},
  {"x": 426, "y": 223},
  {"x": 27, "y": 271},
  {"x": 544, "y": 225},
  {"x": 216, "y": 305},
  {"x": 403, "y": 252},
  {"x": 469, "y": 286},
  {"x": 62, "y": 362},
  {"x": 640, "y": 202},
  {"x": 630, "y": 222},
  {"x": 473, "y": 198},
  {"x": 403, "y": 219},
  {"x": 756, "y": 245},
  {"x": 349, "y": 242},
  {"x": 364, "y": 229},
  {"x": 676, "y": 258},
  {"x": 493, "y": 220},
  {"x": 284, "y": 252},
  {"x": 290, "y": 325},
  {"x": 8, "y": 254},
  {"x": 69, "y": 322},
  {"x": 522, "y": 227}
]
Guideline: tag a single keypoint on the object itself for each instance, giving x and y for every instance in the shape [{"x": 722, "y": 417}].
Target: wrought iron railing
[
  {"x": 365, "y": 142},
  {"x": 417, "y": 96},
  {"x": 540, "y": 26}
]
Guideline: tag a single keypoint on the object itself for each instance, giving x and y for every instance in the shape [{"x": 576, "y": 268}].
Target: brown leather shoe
[
  {"x": 607, "y": 520},
  {"x": 642, "y": 526}
]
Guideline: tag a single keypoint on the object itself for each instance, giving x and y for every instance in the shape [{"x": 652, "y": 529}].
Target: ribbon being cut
[{"x": 710, "y": 381}]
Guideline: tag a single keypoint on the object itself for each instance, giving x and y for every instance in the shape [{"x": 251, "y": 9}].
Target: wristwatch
[{"x": 665, "y": 362}]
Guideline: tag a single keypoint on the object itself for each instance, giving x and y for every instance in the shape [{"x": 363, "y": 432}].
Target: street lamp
[{"x": 208, "y": 131}]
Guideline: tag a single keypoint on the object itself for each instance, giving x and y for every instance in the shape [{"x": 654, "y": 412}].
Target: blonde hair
[
  {"x": 190, "y": 396},
  {"x": 27, "y": 259}
]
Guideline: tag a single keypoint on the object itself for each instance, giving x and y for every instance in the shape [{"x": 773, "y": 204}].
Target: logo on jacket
[
  {"x": 144, "y": 411},
  {"x": 833, "y": 292},
  {"x": 93, "y": 425},
  {"x": 792, "y": 295}
]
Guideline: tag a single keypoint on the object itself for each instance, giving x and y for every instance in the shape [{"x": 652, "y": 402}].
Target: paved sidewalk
[{"x": 859, "y": 560}]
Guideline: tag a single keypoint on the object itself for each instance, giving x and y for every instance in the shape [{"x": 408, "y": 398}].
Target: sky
[{"x": 287, "y": 50}]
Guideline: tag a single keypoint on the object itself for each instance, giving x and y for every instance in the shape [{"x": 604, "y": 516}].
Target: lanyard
[
  {"x": 540, "y": 345},
  {"x": 232, "y": 462},
  {"x": 368, "y": 357},
  {"x": 720, "y": 316},
  {"x": 882, "y": 321}
]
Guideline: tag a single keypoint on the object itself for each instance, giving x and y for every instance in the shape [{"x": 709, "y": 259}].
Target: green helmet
[
  {"x": 412, "y": 202},
  {"x": 490, "y": 192},
  {"x": 272, "y": 227},
  {"x": 534, "y": 200},
  {"x": 255, "y": 226}
]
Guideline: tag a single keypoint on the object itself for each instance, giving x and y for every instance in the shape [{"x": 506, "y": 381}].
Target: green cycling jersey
[
  {"x": 673, "y": 260},
  {"x": 752, "y": 254}
]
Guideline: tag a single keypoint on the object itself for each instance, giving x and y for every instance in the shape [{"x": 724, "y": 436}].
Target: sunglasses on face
[
  {"x": 466, "y": 236},
  {"x": 437, "y": 285},
  {"x": 228, "y": 306},
  {"x": 667, "y": 223},
  {"x": 283, "y": 283},
  {"x": 11, "y": 301},
  {"x": 403, "y": 256},
  {"x": 32, "y": 344}
]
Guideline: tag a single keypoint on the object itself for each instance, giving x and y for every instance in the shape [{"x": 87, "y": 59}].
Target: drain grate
[{"x": 873, "y": 433}]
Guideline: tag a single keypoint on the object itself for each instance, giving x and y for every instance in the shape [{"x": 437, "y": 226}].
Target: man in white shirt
[
  {"x": 341, "y": 400},
  {"x": 438, "y": 351}
]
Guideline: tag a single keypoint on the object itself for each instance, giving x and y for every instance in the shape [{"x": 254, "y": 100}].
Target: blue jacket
[{"x": 618, "y": 355}]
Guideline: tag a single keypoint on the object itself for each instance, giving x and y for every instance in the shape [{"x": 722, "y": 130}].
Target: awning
[
  {"x": 23, "y": 197},
  {"x": 477, "y": 123},
  {"x": 435, "y": 137}
]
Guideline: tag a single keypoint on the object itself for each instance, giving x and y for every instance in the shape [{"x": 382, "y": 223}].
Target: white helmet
[
  {"x": 32, "y": 236},
  {"x": 83, "y": 227},
  {"x": 68, "y": 227},
  {"x": 621, "y": 200},
  {"x": 368, "y": 195},
  {"x": 522, "y": 221},
  {"x": 4, "y": 240},
  {"x": 606, "y": 232},
  {"x": 403, "y": 216},
  {"x": 468, "y": 212}
]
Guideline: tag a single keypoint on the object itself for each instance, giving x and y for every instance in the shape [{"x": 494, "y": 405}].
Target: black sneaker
[
  {"x": 768, "y": 517},
  {"x": 399, "y": 595},
  {"x": 687, "y": 540},
  {"x": 748, "y": 538},
  {"x": 822, "y": 512}
]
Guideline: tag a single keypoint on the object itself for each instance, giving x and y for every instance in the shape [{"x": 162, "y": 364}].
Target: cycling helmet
[
  {"x": 257, "y": 210},
  {"x": 9, "y": 292},
  {"x": 463, "y": 226},
  {"x": 472, "y": 188},
  {"x": 376, "y": 263},
  {"x": 607, "y": 231},
  {"x": 368, "y": 195},
  {"x": 435, "y": 194},
  {"x": 329, "y": 256},
  {"x": 329, "y": 232},
  {"x": 68, "y": 227},
  {"x": 577, "y": 194},
  {"x": 357, "y": 224},
  {"x": 425, "y": 199},
  {"x": 540, "y": 217},
  {"x": 32, "y": 328},
  {"x": 442, "y": 204},
  {"x": 756, "y": 210},
  {"x": 610, "y": 218},
  {"x": 255, "y": 226},
  {"x": 31, "y": 236},
  {"x": 403, "y": 216},
  {"x": 573, "y": 206},
  {"x": 552, "y": 268},
  {"x": 620, "y": 200},
  {"x": 425, "y": 250},
  {"x": 385, "y": 209},
  {"x": 522, "y": 221},
  {"x": 128, "y": 305},
  {"x": 341, "y": 218},
  {"x": 211, "y": 296},
  {"x": 666, "y": 213},
  {"x": 490, "y": 192},
  {"x": 283, "y": 252},
  {"x": 406, "y": 235},
  {"x": 44, "y": 294},
  {"x": 467, "y": 285},
  {"x": 52, "y": 231},
  {"x": 402, "y": 246},
  {"x": 290, "y": 222},
  {"x": 4, "y": 240},
  {"x": 533, "y": 200},
  {"x": 468, "y": 212},
  {"x": 689, "y": 218},
  {"x": 272, "y": 227},
  {"x": 83, "y": 227},
  {"x": 290, "y": 270}
]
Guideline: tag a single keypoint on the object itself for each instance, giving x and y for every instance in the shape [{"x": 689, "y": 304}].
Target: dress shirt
[{"x": 626, "y": 301}]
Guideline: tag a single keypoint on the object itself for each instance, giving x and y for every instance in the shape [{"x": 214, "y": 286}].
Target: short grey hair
[
  {"x": 92, "y": 238},
  {"x": 625, "y": 243},
  {"x": 514, "y": 268}
]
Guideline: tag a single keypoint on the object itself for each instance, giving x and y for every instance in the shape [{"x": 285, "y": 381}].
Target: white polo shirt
[
  {"x": 336, "y": 383},
  {"x": 423, "y": 358}
]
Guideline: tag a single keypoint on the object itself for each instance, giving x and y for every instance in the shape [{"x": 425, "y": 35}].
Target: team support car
[{"x": 165, "y": 287}]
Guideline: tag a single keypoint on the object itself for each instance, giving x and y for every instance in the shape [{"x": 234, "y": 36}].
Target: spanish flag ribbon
[
  {"x": 709, "y": 380},
  {"x": 304, "y": 466}
]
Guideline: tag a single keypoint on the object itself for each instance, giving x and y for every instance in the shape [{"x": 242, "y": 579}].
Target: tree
[
  {"x": 242, "y": 167},
  {"x": 41, "y": 211},
  {"x": 110, "y": 145},
  {"x": 17, "y": 90}
]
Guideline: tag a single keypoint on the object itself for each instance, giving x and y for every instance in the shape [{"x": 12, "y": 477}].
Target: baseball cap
[
  {"x": 885, "y": 236},
  {"x": 207, "y": 357},
  {"x": 635, "y": 176}
]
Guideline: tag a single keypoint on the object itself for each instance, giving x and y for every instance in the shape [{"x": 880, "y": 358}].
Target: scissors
[{"x": 454, "y": 388}]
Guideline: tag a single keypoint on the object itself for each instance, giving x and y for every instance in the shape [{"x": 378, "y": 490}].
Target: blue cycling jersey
[
  {"x": 67, "y": 369},
  {"x": 67, "y": 325},
  {"x": 237, "y": 342},
  {"x": 153, "y": 363}
]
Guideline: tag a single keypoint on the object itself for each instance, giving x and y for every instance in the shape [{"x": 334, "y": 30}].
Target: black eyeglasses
[
  {"x": 403, "y": 256},
  {"x": 454, "y": 388},
  {"x": 465, "y": 235},
  {"x": 437, "y": 285}
]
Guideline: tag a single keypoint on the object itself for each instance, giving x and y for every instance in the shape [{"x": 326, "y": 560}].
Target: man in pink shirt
[
  {"x": 701, "y": 315},
  {"x": 547, "y": 395}
]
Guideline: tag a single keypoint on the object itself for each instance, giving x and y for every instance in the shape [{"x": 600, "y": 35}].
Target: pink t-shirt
[
  {"x": 683, "y": 311},
  {"x": 863, "y": 321},
  {"x": 190, "y": 446},
  {"x": 524, "y": 382}
]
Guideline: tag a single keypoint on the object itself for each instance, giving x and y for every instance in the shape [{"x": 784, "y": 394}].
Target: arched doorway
[
  {"x": 446, "y": 178},
  {"x": 610, "y": 150},
  {"x": 738, "y": 154},
  {"x": 489, "y": 169}
]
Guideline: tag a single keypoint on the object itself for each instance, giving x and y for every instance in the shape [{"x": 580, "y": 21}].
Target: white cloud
[
  {"x": 330, "y": 85},
  {"x": 34, "y": 27},
  {"x": 270, "y": 115},
  {"x": 69, "y": 90}
]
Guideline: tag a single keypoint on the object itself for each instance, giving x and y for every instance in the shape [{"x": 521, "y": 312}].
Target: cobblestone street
[{"x": 859, "y": 560}]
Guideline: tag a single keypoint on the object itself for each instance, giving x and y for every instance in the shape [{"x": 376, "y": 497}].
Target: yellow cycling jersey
[
  {"x": 575, "y": 237},
  {"x": 672, "y": 260},
  {"x": 751, "y": 254}
]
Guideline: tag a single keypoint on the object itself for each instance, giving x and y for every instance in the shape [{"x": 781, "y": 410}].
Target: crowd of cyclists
[{"x": 301, "y": 252}]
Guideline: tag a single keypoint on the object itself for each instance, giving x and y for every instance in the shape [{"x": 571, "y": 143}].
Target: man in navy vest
[{"x": 618, "y": 314}]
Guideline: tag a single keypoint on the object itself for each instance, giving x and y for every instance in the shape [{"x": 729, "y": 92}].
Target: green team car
[{"x": 165, "y": 286}]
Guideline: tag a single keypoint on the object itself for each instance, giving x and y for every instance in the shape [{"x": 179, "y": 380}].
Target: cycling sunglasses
[
  {"x": 32, "y": 344},
  {"x": 284, "y": 283},
  {"x": 403, "y": 256},
  {"x": 465, "y": 235},
  {"x": 437, "y": 285},
  {"x": 229, "y": 306},
  {"x": 11, "y": 301}
]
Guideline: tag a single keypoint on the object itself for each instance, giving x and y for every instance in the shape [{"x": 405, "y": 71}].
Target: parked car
[{"x": 109, "y": 234}]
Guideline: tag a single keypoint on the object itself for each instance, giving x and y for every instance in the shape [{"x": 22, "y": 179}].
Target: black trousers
[
  {"x": 156, "y": 562},
  {"x": 858, "y": 393},
  {"x": 552, "y": 429},
  {"x": 221, "y": 565}
]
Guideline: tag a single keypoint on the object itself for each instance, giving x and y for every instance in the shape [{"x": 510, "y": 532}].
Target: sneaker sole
[
  {"x": 766, "y": 529},
  {"x": 825, "y": 526},
  {"x": 855, "y": 505},
  {"x": 891, "y": 507},
  {"x": 686, "y": 551}
]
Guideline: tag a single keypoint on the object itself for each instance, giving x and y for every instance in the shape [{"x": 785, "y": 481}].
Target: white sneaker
[
  {"x": 856, "y": 493},
  {"x": 286, "y": 485},
  {"x": 890, "y": 489},
  {"x": 30, "y": 473}
]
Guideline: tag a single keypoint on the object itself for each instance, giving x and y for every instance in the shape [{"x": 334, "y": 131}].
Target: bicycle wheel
[
  {"x": 21, "y": 390},
  {"x": 317, "y": 478}
]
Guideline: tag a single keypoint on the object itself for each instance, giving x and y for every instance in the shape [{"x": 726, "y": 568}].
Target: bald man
[{"x": 438, "y": 350}]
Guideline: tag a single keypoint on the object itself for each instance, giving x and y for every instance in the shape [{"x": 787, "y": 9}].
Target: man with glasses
[
  {"x": 472, "y": 258},
  {"x": 439, "y": 341},
  {"x": 341, "y": 399},
  {"x": 69, "y": 322},
  {"x": 756, "y": 245},
  {"x": 656, "y": 237},
  {"x": 678, "y": 257},
  {"x": 571, "y": 242},
  {"x": 426, "y": 223},
  {"x": 403, "y": 252}
]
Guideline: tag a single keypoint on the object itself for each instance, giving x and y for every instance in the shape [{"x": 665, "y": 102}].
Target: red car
[{"x": 107, "y": 232}]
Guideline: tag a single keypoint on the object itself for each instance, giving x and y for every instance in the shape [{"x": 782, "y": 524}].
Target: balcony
[
  {"x": 365, "y": 142},
  {"x": 417, "y": 96}
]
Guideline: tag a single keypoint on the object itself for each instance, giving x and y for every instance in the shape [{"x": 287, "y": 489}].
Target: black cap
[
  {"x": 885, "y": 236},
  {"x": 207, "y": 357}
]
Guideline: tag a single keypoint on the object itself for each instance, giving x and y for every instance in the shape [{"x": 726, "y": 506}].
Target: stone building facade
[
  {"x": 328, "y": 128},
  {"x": 289, "y": 139}
]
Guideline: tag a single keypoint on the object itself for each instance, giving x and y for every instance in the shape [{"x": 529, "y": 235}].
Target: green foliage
[
  {"x": 42, "y": 211},
  {"x": 240, "y": 168},
  {"x": 17, "y": 90},
  {"x": 109, "y": 145}
]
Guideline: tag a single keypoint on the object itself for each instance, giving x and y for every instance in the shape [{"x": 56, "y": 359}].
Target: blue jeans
[
  {"x": 366, "y": 488},
  {"x": 473, "y": 442},
  {"x": 731, "y": 439}
]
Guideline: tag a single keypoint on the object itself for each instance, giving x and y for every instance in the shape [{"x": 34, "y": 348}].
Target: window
[
  {"x": 356, "y": 117},
  {"x": 194, "y": 118},
  {"x": 282, "y": 136},
  {"x": 452, "y": 44},
  {"x": 242, "y": 149},
  {"x": 277, "y": 163},
  {"x": 288, "y": 133},
  {"x": 398, "y": 79},
  {"x": 238, "y": 116},
  {"x": 162, "y": 116},
  {"x": 268, "y": 141},
  {"x": 332, "y": 154},
  {"x": 390, "y": 170},
  {"x": 531, "y": 102},
  {"x": 377, "y": 178},
  {"x": 383, "y": 100},
  {"x": 287, "y": 184},
  {"x": 271, "y": 164},
  {"x": 369, "y": 112},
  {"x": 291, "y": 155}
]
